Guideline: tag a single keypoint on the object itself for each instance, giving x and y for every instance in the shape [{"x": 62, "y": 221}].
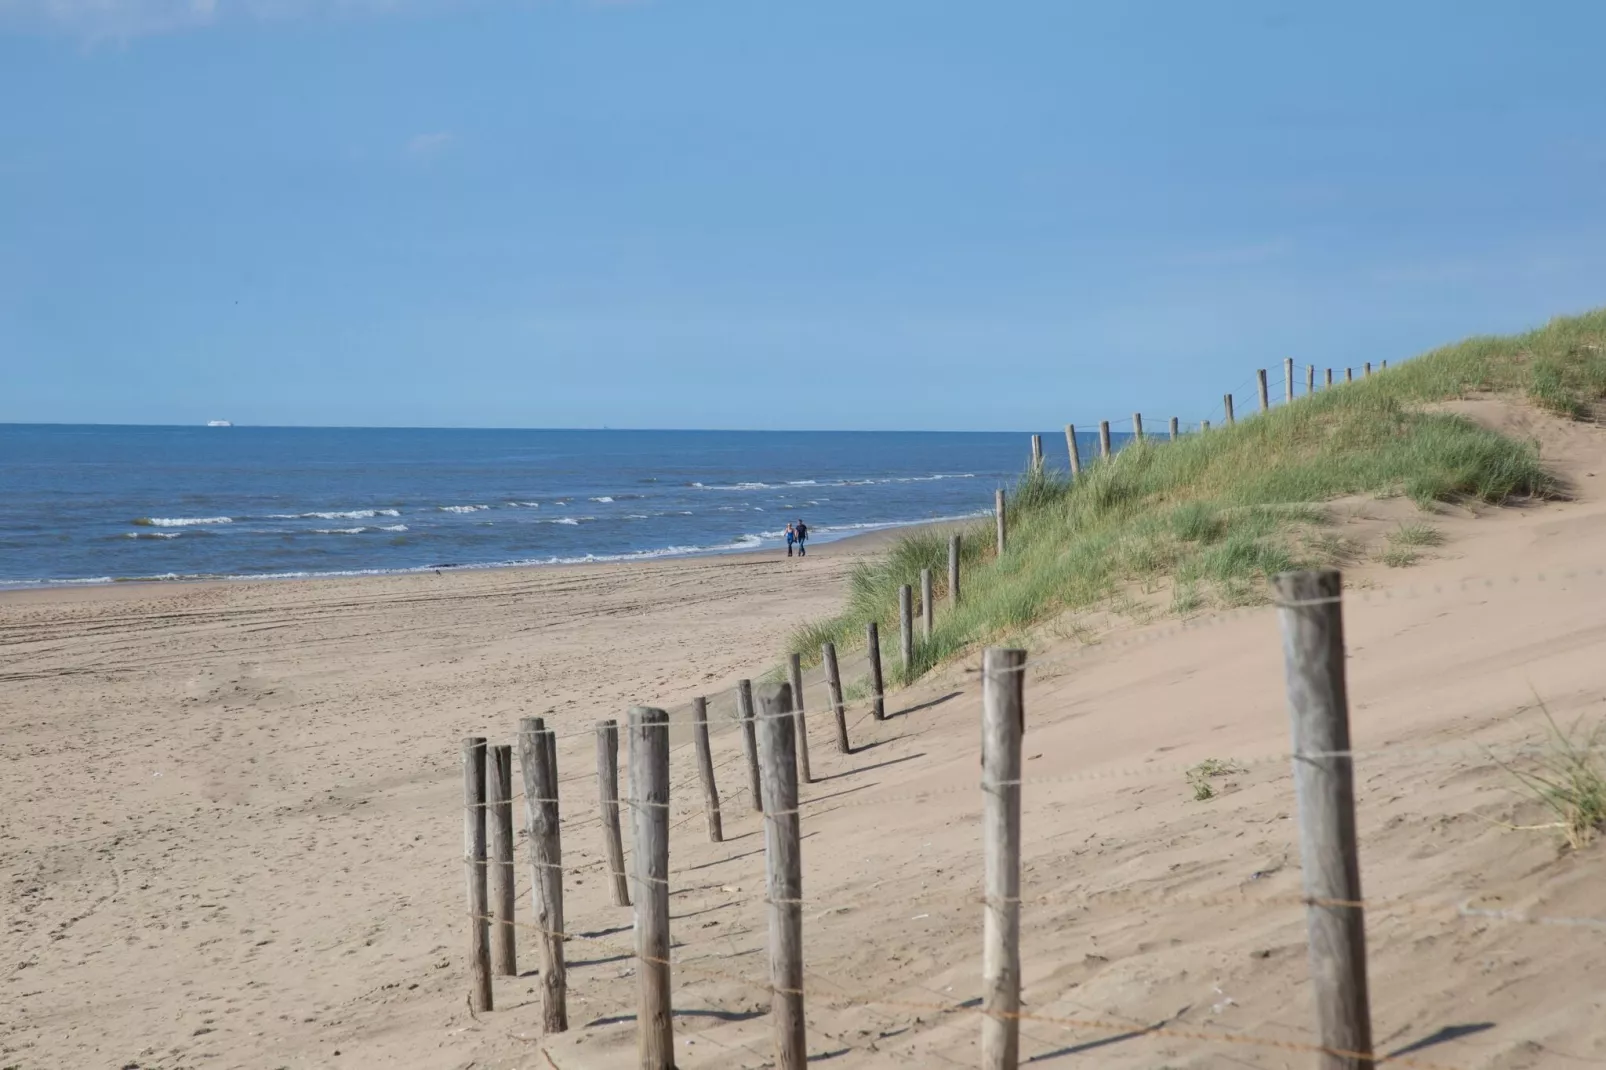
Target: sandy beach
[{"x": 230, "y": 827}]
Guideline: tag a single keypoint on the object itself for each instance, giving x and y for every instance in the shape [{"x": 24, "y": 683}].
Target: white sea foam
[
  {"x": 394, "y": 527},
  {"x": 152, "y": 534},
  {"x": 604, "y": 498},
  {"x": 835, "y": 482},
  {"x": 524, "y": 505},
  {"x": 463, "y": 508},
  {"x": 181, "y": 521},
  {"x": 338, "y": 531}
]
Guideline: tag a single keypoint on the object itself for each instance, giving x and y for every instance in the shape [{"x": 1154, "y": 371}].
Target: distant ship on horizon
[{"x": 219, "y": 423}]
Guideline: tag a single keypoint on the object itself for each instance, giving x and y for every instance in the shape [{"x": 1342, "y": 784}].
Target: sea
[{"x": 101, "y": 504}]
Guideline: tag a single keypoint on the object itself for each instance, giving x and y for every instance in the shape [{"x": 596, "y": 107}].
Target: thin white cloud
[
  {"x": 122, "y": 20},
  {"x": 428, "y": 146},
  {"x": 1235, "y": 255}
]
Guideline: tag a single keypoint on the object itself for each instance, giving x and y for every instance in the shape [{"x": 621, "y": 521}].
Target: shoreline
[{"x": 852, "y": 543}]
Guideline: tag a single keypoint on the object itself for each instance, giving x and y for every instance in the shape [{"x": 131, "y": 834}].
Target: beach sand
[{"x": 231, "y": 828}]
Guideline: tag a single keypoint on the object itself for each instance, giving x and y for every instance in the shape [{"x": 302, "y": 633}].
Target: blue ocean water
[{"x": 100, "y": 503}]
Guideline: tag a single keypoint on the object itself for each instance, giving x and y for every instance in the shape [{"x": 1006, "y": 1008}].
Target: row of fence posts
[
  {"x": 1310, "y": 608},
  {"x": 1175, "y": 429},
  {"x": 488, "y": 811}
]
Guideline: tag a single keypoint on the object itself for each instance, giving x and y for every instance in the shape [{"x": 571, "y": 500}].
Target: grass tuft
[
  {"x": 1200, "y": 776},
  {"x": 1416, "y": 534},
  {"x": 1569, "y": 780}
]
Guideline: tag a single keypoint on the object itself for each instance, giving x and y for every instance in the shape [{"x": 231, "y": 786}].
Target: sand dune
[{"x": 230, "y": 835}]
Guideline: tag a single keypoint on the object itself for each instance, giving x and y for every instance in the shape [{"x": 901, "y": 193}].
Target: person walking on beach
[
  {"x": 802, "y": 530},
  {"x": 791, "y": 536}
]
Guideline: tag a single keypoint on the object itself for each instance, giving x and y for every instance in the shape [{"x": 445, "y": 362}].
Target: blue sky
[{"x": 739, "y": 214}]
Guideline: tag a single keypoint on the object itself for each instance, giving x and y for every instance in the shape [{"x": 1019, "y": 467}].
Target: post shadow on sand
[
  {"x": 1443, "y": 1036},
  {"x": 1134, "y": 1033},
  {"x": 928, "y": 704},
  {"x": 866, "y": 769},
  {"x": 717, "y": 1015}
]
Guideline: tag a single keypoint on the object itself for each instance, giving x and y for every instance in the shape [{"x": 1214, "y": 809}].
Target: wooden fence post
[
  {"x": 1037, "y": 453},
  {"x": 906, "y": 628},
  {"x": 1366, "y": 373},
  {"x": 1349, "y": 375},
  {"x": 877, "y": 689},
  {"x": 1070, "y": 447},
  {"x": 499, "y": 790},
  {"x": 998, "y": 515},
  {"x": 705, "y": 769},
  {"x": 1313, "y": 654},
  {"x": 784, "y": 879},
  {"x": 474, "y": 863},
  {"x": 1265, "y": 399},
  {"x": 794, "y": 666},
  {"x": 1385, "y": 366},
  {"x": 1310, "y": 379},
  {"x": 927, "y": 613},
  {"x": 953, "y": 569},
  {"x": 1003, "y": 724},
  {"x": 649, "y": 805},
  {"x": 833, "y": 683},
  {"x": 1329, "y": 377},
  {"x": 1226, "y": 401},
  {"x": 1288, "y": 378},
  {"x": 1174, "y": 428},
  {"x": 546, "y": 866},
  {"x": 1204, "y": 425},
  {"x": 744, "y": 713},
  {"x": 608, "y": 797},
  {"x": 1137, "y": 427},
  {"x": 1104, "y": 439}
]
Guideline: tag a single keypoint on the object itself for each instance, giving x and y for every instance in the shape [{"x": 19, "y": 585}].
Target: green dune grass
[{"x": 1212, "y": 515}]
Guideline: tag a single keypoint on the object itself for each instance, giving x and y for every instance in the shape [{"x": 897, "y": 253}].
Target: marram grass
[{"x": 1211, "y": 516}]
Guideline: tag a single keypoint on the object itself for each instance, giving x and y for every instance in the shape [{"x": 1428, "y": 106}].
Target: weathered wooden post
[
  {"x": 1265, "y": 399},
  {"x": 608, "y": 799},
  {"x": 1204, "y": 425},
  {"x": 705, "y": 769},
  {"x": 744, "y": 713},
  {"x": 783, "y": 864},
  {"x": 794, "y": 669},
  {"x": 1310, "y": 379},
  {"x": 1003, "y": 724},
  {"x": 872, "y": 634},
  {"x": 1137, "y": 427},
  {"x": 1366, "y": 373},
  {"x": 539, "y": 766},
  {"x": 1174, "y": 428},
  {"x": 833, "y": 683},
  {"x": 499, "y": 789},
  {"x": 1385, "y": 366},
  {"x": 1349, "y": 375},
  {"x": 1324, "y": 786},
  {"x": 953, "y": 569},
  {"x": 906, "y": 629},
  {"x": 1288, "y": 378},
  {"x": 1037, "y": 453},
  {"x": 474, "y": 863},
  {"x": 1329, "y": 377},
  {"x": 927, "y": 613},
  {"x": 1104, "y": 439},
  {"x": 649, "y": 805},
  {"x": 1226, "y": 401},
  {"x": 1070, "y": 447},
  {"x": 998, "y": 515}
]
